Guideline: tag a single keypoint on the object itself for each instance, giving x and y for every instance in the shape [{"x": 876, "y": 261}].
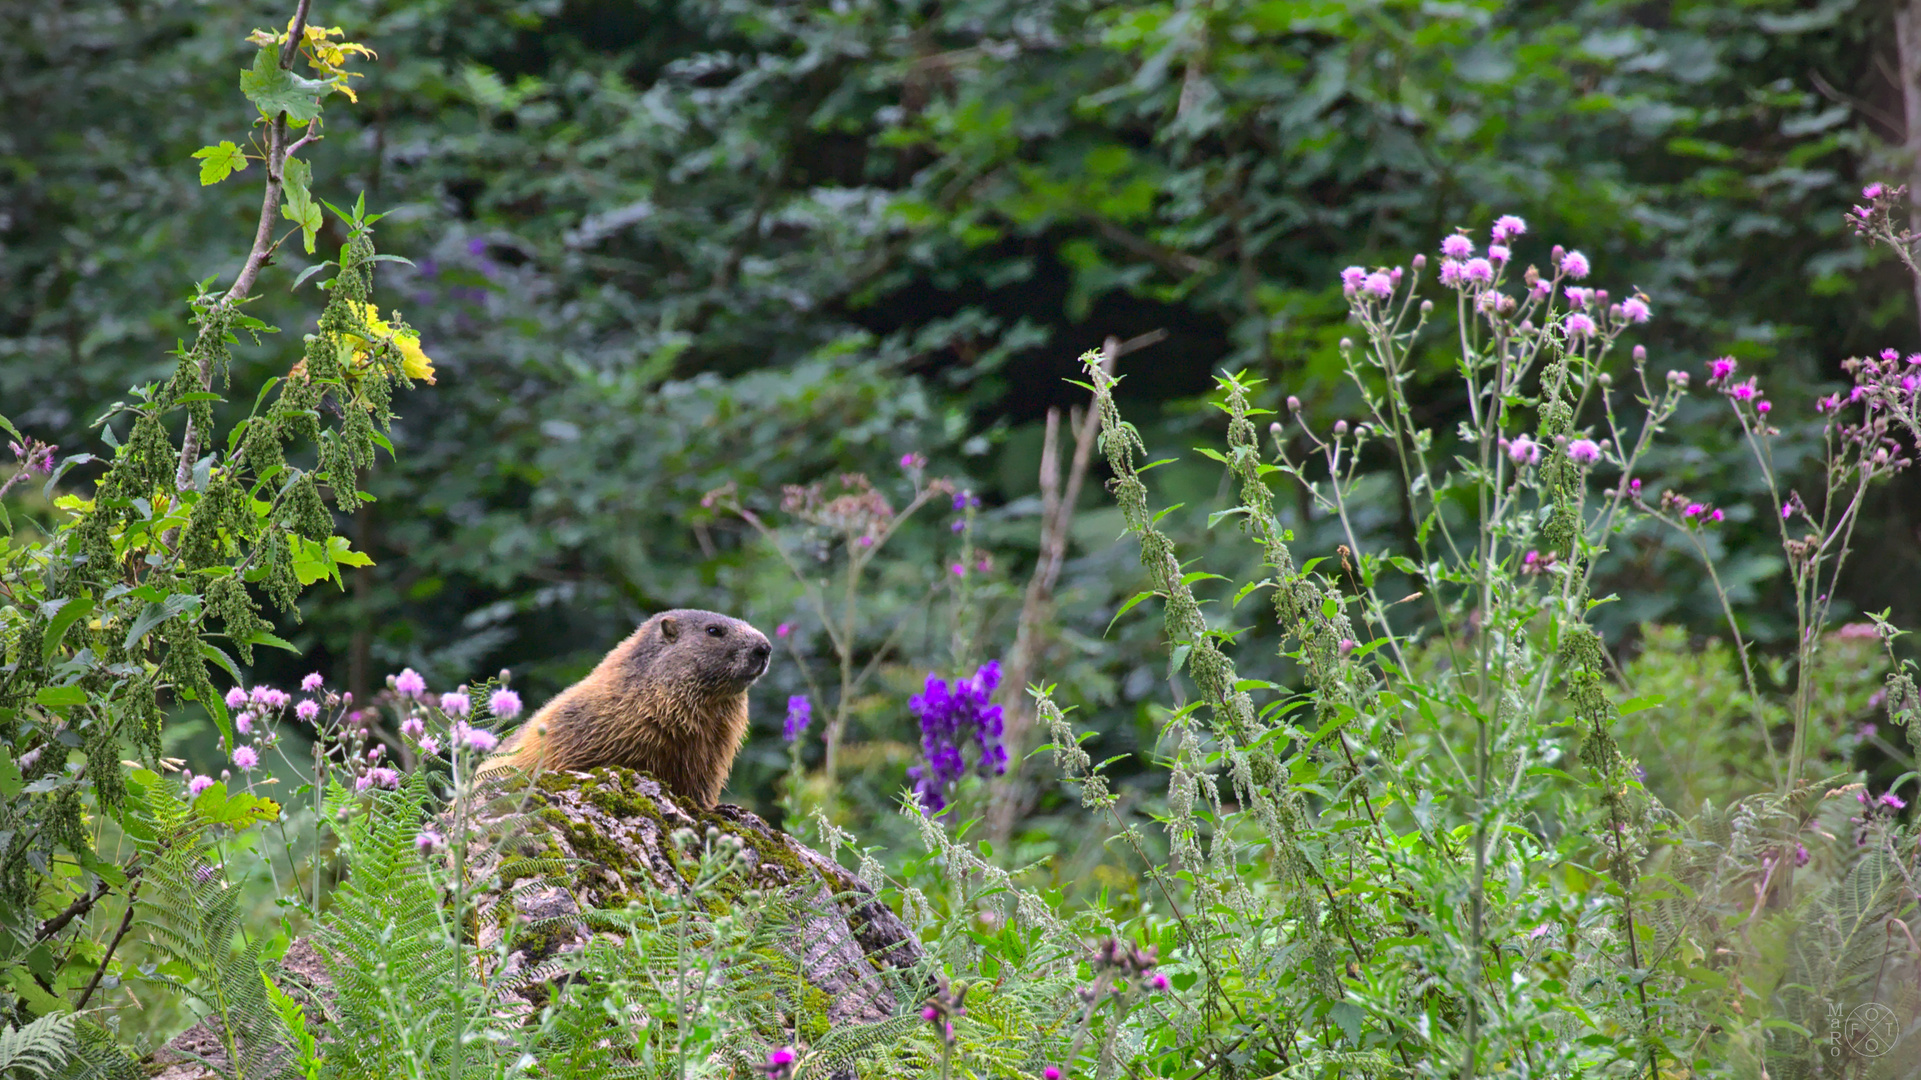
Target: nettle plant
[
  {"x": 152, "y": 569},
  {"x": 1432, "y": 857}
]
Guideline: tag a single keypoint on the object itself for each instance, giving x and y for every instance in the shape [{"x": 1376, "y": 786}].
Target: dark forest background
[{"x": 661, "y": 247}]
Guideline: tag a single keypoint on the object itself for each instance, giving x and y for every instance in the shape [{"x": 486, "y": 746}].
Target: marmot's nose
[{"x": 762, "y": 651}]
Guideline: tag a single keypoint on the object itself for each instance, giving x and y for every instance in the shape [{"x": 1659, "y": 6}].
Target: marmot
[{"x": 671, "y": 700}]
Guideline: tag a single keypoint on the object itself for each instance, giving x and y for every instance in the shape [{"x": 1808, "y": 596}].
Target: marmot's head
[{"x": 701, "y": 648}]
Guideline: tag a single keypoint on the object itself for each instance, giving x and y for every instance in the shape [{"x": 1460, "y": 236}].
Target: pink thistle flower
[
  {"x": 429, "y": 746},
  {"x": 1574, "y": 265},
  {"x": 1890, "y": 355},
  {"x": 1352, "y": 277},
  {"x": 429, "y": 841},
  {"x": 1578, "y": 296},
  {"x": 312, "y": 682},
  {"x": 245, "y": 758},
  {"x": 1763, "y": 407},
  {"x": 1744, "y": 391},
  {"x": 1051, "y": 1073},
  {"x": 1578, "y": 325},
  {"x": 1717, "y": 516},
  {"x": 1694, "y": 510},
  {"x": 1347, "y": 646},
  {"x": 959, "y": 570},
  {"x": 1452, "y": 274},
  {"x": 387, "y": 778},
  {"x": 413, "y": 727},
  {"x": 409, "y": 683},
  {"x": 363, "y": 782},
  {"x": 236, "y": 698},
  {"x": 476, "y": 738},
  {"x": 504, "y": 704},
  {"x": 1158, "y": 982},
  {"x": 1541, "y": 290},
  {"x": 1457, "y": 246},
  {"x": 456, "y": 703},
  {"x": 1378, "y": 285},
  {"x": 911, "y": 461},
  {"x": 1800, "y": 855},
  {"x": 307, "y": 710},
  {"x": 1523, "y": 450},
  {"x": 1892, "y": 801},
  {"x": 1499, "y": 253},
  {"x": 1636, "y": 309},
  {"x": 1872, "y": 191},
  {"x": 1478, "y": 271},
  {"x": 1720, "y": 369},
  {"x": 243, "y": 723},
  {"x": 1507, "y": 227},
  {"x": 1584, "y": 451},
  {"x": 198, "y": 784}
]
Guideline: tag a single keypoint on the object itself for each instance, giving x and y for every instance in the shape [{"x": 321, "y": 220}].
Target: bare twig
[{"x": 1057, "y": 518}]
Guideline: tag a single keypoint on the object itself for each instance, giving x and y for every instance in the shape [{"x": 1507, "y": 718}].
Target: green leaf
[
  {"x": 10, "y": 779},
  {"x": 239, "y": 810},
  {"x": 274, "y": 91},
  {"x": 59, "y": 697},
  {"x": 1129, "y": 606},
  {"x": 219, "y": 162},
  {"x": 155, "y": 614},
  {"x": 299, "y": 207},
  {"x": 261, "y": 637},
  {"x": 70, "y": 612}
]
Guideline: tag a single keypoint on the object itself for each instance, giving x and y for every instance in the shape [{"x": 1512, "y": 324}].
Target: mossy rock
[{"x": 612, "y": 830}]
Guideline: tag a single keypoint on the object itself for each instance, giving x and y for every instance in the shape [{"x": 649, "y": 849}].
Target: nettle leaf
[
  {"x": 300, "y": 207},
  {"x": 219, "y": 162},
  {"x": 274, "y": 91}
]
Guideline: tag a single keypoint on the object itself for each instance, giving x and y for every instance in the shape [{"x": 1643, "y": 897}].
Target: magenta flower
[
  {"x": 504, "y": 703},
  {"x": 236, "y": 698},
  {"x": 1378, "y": 285},
  {"x": 1694, "y": 510},
  {"x": 783, "y": 630},
  {"x": 413, "y": 727},
  {"x": 1352, "y": 277},
  {"x": 456, "y": 703},
  {"x": 1578, "y": 325},
  {"x": 911, "y": 461},
  {"x": 1452, "y": 274},
  {"x": 1347, "y": 646},
  {"x": 1584, "y": 451},
  {"x": 476, "y": 738},
  {"x": 312, "y": 682},
  {"x": 1636, "y": 309},
  {"x": 1507, "y": 227},
  {"x": 1800, "y": 855},
  {"x": 1744, "y": 391},
  {"x": 429, "y": 841},
  {"x": 1478, "y": 271},
  {"x": 198, "y": 784},
  {"x": 1574, "y": 265},
  {"x": 1872, "y": 191},
  {"x": 1457, "y": 246},
  {"x": 1499, "y": 253},
  {"x": 307, "y": 710},
  {"x": 1717, "y": 515},
  {"x": 1158, "y": 982},
  {"x": 1578, "y": 296},
  {"x": 1523, "y": 450},
  {"x": 1541, "y": 289},
  {"x": 410, "y": 684},
  {"x": 429, "y": 746},
  {"x": 243, "y": 723},
  {"x": 1720, "y": 369},
  {"x": 245, "y": 758},
  {"x": 1051, "y": 1073},
  {"x": 386, "y": 778},
  {"x": 1763, "y": 407}
]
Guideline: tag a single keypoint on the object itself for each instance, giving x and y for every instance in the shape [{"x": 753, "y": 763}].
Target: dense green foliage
[{"x": 1423, "y": 759}]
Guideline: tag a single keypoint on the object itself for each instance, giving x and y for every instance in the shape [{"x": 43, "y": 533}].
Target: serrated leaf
[
  {"x": 219, "y": 162},
  {"x": 261, "y": 637},
  {"x": 274, "y": 91},
  {"x": 155, "y": 614},
  {"x": 299, "y": 207},
  {"x": 70, "y": 612}
]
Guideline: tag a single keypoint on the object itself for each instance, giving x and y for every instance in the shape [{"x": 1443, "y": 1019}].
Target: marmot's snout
[{"x": 753, "y": 655}]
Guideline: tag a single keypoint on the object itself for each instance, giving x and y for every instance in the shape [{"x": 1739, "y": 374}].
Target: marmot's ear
[{"x": 670, "y": 628}]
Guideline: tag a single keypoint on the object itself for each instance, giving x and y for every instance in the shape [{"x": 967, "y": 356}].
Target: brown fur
[{"x": 670, "y": 700}]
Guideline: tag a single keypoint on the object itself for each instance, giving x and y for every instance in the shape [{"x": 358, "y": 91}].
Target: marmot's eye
[{"x": 717, "y": 631}]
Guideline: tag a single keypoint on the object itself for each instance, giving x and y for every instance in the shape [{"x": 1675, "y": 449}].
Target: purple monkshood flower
[
  {"x": 1457, "y": 246},
  {"x": 951, "y": 717},
  {"x": 799, "y": 712}
]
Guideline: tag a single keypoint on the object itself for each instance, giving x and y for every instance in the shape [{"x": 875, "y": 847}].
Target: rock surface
[{"x": 615, "y": 832}]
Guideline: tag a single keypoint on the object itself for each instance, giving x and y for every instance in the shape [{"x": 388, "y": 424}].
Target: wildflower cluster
[
  {"x": 943, "y": 1007},
  {"x": 951, "y": 717},
  {"x": 33, "y": 455}
]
